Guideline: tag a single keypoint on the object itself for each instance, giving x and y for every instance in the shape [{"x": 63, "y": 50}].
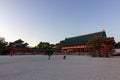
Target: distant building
[
  {"x": 18, "y": 47},
  {"x": 77, "y": 44}
]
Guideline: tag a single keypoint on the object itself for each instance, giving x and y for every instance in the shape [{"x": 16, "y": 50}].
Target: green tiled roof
[{"x": 82, "y": 38}]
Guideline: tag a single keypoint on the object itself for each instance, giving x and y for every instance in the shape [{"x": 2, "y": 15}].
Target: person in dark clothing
[
  {"x": 49, "y": 53},
  {"x": 64, "y": 57}
]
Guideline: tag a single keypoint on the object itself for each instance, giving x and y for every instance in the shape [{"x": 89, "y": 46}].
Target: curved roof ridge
[{"x": 86, "y": 34}]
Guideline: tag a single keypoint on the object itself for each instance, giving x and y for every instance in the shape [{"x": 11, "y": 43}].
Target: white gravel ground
[{"x": 38, "y": 67}]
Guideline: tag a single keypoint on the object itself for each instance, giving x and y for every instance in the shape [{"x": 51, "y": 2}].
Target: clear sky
[{"x": 54, "y": 20}]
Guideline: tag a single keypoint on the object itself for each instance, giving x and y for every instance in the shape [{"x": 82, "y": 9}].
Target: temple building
[
  {"x": 19, "y": 47},
  {"x": 77, "y": 44}
]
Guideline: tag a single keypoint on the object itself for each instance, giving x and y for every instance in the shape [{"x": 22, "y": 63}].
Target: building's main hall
[{"x": 77, "y": 44}]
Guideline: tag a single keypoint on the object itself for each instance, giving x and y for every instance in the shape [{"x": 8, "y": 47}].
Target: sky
[{"x": 51, "y": 21}]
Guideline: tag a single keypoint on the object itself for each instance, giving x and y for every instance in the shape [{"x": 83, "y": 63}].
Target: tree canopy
[
  {"x": 94, "y": 46},
  {"x": 45, "y": 45},
  {"x": 3, "y": 46},
  {"x": 101, "y": 47}
]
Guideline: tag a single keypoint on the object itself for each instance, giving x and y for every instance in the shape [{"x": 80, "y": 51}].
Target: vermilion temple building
[
  {"x": 77, "y": 44},
  {"x": 72, "y": 45},
  {"x": 19, "y": 47}
]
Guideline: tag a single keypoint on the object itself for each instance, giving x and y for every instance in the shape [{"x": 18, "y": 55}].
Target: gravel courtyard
[{"x": 38, "y": 67}]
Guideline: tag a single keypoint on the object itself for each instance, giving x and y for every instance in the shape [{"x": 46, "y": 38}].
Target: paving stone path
[{"x": 38, "y": 67}]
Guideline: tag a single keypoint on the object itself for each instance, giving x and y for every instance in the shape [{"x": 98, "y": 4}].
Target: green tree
[
  {"x": 49, "y": 52},
  {"x": 117, "y": 45},
  {"x": 3, "y": 46},
  {"x": 45, "y": 45}
]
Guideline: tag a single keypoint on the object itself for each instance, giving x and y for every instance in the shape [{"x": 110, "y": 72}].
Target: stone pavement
[{"x": 38, "y": 67}]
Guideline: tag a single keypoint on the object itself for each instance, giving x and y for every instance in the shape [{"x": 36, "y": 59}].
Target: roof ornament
[{"x": 103, "y": 30}]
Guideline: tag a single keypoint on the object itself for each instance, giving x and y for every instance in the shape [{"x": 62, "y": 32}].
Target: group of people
[
  {"x": 64, "y": 57},
  {"x": 50, "y": 53}
]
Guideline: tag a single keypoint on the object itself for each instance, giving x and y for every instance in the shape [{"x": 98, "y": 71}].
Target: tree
[
  {"x": 94, "y": 46},
  {"x": 3, "y": 46},
  {"x": 117, "y": 45},
  {"x": 49, "y": 52},
  {"x": 45, "y": 45}
]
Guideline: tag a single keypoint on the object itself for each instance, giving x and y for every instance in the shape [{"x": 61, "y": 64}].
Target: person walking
[{"x": 65, "y": 55}]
